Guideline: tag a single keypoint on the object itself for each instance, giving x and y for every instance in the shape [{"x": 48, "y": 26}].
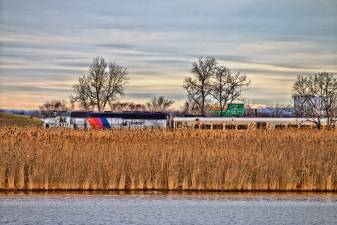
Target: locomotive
[{"x": 99, "y": 120}]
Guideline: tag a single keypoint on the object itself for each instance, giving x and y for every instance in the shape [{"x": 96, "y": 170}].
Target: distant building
[{"x": 277, "y": 112}]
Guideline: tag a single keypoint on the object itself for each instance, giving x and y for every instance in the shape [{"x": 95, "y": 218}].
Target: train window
[
  {"x": 218, "y": 126},
  {"x": 242, "y": 127},
  {"x": 280, "y": 126},
  {"x": 261, "y": 125},
  {"x": 206, "y": 126},
  {"x": 230, "y": 127}
]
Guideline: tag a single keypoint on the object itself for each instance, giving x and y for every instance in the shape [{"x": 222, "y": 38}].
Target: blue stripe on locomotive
[{"x": 105, "y": 122}]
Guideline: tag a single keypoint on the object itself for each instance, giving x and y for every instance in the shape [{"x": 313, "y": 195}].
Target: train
[
  {"x": 108, "y": 120},
  {"x": 101, "y": 120}
]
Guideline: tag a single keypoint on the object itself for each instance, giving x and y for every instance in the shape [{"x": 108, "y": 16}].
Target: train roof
[
  {"x": 79, "y": 114},
  {"x": 132, "y": 115},
  {"x": 242, "y": 119},
  {"x": 122, "y": 115}
]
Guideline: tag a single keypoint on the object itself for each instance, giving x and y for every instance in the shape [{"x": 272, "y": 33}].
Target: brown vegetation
[
  {"x": 18, "y": 120},
  {"x": 60, "y": 159}
]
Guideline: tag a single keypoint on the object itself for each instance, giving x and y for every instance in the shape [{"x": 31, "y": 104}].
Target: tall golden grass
[{"x": 269, "y": 160}]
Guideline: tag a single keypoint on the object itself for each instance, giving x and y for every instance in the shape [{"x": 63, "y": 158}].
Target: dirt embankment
[{"x": 18, "y": 120}]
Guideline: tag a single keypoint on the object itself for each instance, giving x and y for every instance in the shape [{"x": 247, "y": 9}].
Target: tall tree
[
  {"x": 82, "y": 94},
  {"x": 315, "y": 97},
  {"x": 101, "y": 85},
  {"x": 227, "y": 87},
  {"x": 198, "y": 87},
  {"x": 159, "y": 104}
]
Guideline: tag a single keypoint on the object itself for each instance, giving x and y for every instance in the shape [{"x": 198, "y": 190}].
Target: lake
[{"x": 168, "y": 208}]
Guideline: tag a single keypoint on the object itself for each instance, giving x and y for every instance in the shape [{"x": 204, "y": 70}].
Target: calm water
[{"x": 173, "y": 208}]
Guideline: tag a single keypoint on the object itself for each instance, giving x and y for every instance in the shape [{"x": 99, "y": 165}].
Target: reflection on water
[{"x": 172, "y": 208}]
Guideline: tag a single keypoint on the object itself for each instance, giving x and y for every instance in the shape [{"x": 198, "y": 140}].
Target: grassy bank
[
  {"x": 18, "y": 120},
  {"x": 58, "y": 159}
]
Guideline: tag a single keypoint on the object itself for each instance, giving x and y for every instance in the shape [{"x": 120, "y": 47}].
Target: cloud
[{"x": 46, "y": 45}]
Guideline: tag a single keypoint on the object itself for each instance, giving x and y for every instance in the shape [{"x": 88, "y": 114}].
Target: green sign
[{"x": 233, "y": 110}]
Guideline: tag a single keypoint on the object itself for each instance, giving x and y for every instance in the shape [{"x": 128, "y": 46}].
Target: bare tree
[
  {"x": 190, "y": 108},
  {"x": 101, "y": 85},
  {"x": 315, "y": 97},
  {"x": 227, "y": 87},
  {"x": 83, "y": 94},
  {"x": 198, "y": 87},
  {"x": 50, "y": 107},
  {"x": 127, "y": 106},
  {"x": 159, "y": 104},
  {"x": 278, "y": 111}
]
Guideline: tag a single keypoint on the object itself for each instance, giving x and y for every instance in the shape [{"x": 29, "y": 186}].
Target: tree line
[
  {"x": 315, "y": 95},
  {"x": 105, "y": 82}
]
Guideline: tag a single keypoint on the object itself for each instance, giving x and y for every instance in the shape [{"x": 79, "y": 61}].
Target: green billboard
[{"x": 233, "y": 110}]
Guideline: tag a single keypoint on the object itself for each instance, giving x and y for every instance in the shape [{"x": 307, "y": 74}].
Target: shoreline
[
  {"x": 149, "y": 193},
  {"x": 160, "y": 190}
]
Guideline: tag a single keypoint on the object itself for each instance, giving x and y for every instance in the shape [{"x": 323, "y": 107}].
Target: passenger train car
[
  {"x": 242, "y": 123},
  {"x": 97, "y": 120}
]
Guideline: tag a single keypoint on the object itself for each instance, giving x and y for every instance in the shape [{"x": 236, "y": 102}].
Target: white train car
[{"x": 242, "y": 123}]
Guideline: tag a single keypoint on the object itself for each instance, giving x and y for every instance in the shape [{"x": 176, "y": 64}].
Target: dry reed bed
[{"x": 60, "y": 159}]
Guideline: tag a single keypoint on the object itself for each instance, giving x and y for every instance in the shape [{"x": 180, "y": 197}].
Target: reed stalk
[{"x": 122, "y": 159}]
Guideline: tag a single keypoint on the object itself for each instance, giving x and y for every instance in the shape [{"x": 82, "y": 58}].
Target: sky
[{"x": 46, "y": 45}]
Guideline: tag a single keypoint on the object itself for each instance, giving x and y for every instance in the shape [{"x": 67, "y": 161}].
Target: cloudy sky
[{"x": 46, "y": 45}]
